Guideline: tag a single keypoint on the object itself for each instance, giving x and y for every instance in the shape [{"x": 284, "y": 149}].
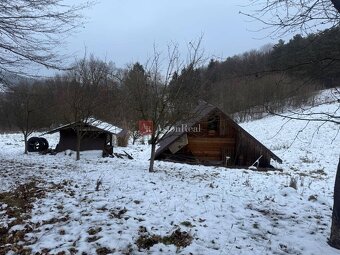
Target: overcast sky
[{"x": 124, "y": 31}]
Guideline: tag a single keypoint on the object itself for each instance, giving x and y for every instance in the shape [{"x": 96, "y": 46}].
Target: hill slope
[{"x": 100, "y": 205}]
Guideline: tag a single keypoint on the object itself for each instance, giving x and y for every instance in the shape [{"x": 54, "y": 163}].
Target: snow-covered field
[{"x": 109, "y": 205}]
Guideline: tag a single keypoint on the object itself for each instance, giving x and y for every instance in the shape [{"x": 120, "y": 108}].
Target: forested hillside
[
  {"x": 280, "y": 75},
  {"x": 245, "y": 86}
]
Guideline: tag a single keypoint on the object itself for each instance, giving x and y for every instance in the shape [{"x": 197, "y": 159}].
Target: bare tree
[
  {"x": 85, "y": 92},
  {"x": 157, "y": 96},
  {"x": 24, "y": 105},
  {"x": 31, "y": 31}
]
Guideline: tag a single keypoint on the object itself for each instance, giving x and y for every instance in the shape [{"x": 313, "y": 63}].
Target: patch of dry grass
[
  {"x": 178, "y": 238},
  {"x": 19, "y": 204}
]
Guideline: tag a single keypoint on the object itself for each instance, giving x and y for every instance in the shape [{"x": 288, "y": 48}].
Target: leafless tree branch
[
  {"x": 291, "y": 16},
  {"x": 31, "y": 32}
]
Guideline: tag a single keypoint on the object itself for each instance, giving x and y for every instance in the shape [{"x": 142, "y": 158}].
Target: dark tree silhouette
[{"x": 334, "y": 239}]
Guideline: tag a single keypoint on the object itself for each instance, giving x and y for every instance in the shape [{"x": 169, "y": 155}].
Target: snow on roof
[
  {"x": 97, "y": 124},
  {"x": 104, "y": 125}
]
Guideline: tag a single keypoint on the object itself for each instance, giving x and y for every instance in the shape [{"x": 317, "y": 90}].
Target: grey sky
[{"x": 124, "y": 31}]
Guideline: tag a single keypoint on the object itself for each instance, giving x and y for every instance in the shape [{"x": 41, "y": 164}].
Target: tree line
[
  {"x": 245, "y": 86},
  {"x": 278, "y": 76}
]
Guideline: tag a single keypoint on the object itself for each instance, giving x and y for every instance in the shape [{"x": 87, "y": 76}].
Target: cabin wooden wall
[
  {"x": 90, "y": 141},
  {"x": 211, "y": 148},
  {"x": 248, "y": 151},
  {"x": 213, "y": 143}
]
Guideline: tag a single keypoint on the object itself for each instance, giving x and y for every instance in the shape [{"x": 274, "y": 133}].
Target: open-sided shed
[
  {"x": 95, "y": 135},
  {"x": 211, "y": 137}
]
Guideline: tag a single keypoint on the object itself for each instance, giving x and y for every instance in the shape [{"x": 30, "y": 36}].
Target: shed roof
[
  {"x": 94, "y": 124},
  {"x": 202, "y": 110}
]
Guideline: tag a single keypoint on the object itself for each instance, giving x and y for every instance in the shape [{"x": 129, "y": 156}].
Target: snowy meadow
[{"x": 52, "y": 204}]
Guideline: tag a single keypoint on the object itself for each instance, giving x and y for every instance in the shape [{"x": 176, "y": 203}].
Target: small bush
[
  {"x": 123, "y": 141},
  {"x": 293, "y": 182}
]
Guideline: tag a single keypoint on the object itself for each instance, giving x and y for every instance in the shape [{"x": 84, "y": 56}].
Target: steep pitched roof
[
  {"x": 94, "y": 124},
  {"x": 202, "y": 110}
]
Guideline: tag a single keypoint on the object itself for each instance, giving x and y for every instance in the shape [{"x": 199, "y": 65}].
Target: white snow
[
  {"x": 230, "y": 211},
  {"x": 104, "y": 126},
  {"x": 95, "y": 123}
]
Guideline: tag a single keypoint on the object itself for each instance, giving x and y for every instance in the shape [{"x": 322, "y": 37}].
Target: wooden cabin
[
  {"x": 95, "y": 135},
  {"x": 210, "y": 137}
]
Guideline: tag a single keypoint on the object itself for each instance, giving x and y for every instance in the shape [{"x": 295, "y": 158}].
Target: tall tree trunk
[
  {"x": 78, "y": 145},
  {"x": 134, "y": 138},
  {"x": 26, "y": 144},
  {"x": 26, "y": 129},
  {"x": 334, "y": 239},
  {"x": 152, "y": 158}
]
